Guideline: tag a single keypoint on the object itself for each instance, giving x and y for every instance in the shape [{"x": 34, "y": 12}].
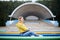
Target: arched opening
[
  {"x": 31, "y": 13},
  {"x": 32, "y": 18}
]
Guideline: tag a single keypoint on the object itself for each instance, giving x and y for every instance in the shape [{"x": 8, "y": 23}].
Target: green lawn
[{"x": 28, "y": 38}]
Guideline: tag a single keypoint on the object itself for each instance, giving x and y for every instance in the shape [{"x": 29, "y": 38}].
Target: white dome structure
[{"x": 35, "y": 9}]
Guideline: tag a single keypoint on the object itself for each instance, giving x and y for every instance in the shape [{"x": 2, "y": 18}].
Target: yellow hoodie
[{"x": 22, "y": 28}]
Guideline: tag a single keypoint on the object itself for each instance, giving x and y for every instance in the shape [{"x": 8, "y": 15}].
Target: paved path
[{"x": 41, "y": 26}]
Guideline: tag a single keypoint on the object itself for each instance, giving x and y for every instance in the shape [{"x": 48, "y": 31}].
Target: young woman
[{"x": 24, "y": 31}]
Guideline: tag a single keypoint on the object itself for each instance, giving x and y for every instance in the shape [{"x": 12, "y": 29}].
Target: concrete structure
[{"x": 32, "y": 9}]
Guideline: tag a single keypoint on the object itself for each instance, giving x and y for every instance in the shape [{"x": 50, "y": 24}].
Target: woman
[{"x": 24, "y": 31}]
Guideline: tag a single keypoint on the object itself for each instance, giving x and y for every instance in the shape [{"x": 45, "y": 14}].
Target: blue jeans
[{"x": 28, "y": 33}]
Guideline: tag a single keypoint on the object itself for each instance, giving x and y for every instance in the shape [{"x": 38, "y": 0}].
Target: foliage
[{"x": 6, "y": 9}]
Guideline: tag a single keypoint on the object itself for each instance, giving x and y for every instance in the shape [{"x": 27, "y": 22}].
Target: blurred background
[{"x": 7, "y": 6}]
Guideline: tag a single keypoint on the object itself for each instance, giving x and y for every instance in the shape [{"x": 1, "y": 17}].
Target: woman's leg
[{"x": 29, "y": 34}]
